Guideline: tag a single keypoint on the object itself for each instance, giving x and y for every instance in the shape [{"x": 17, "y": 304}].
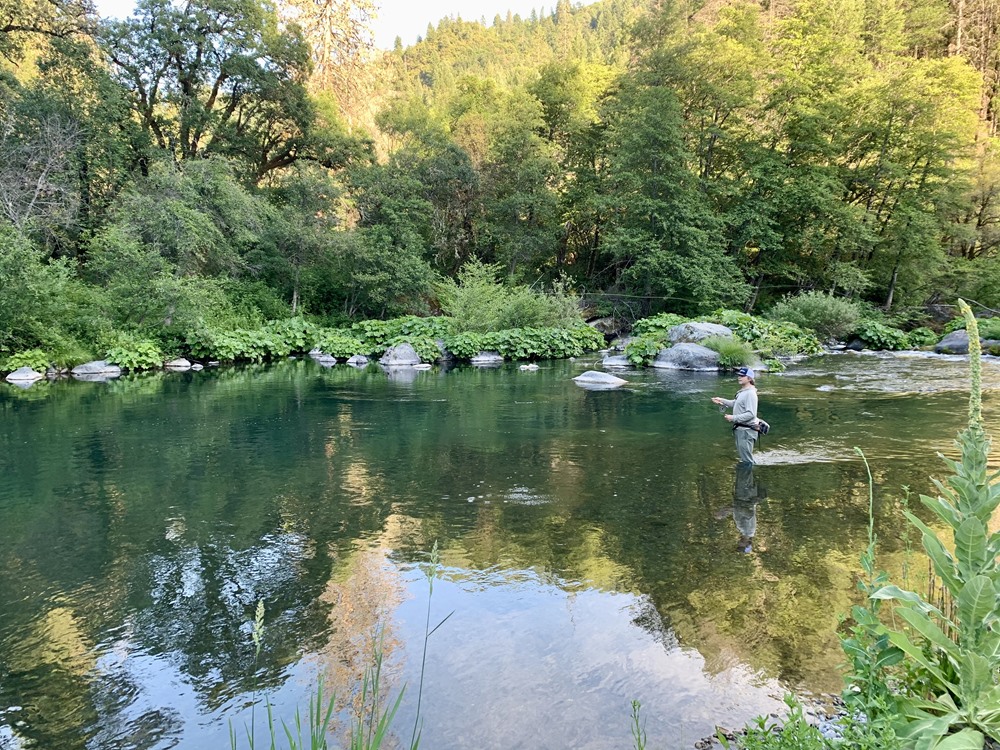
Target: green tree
[
  {"x": 220, "y": 77},
  {"x": 664, "y": 236}
]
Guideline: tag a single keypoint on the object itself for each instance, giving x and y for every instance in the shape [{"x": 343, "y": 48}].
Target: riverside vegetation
[
  {"x": 483, "y": 313},
  {"x": 172, "y": 181}
]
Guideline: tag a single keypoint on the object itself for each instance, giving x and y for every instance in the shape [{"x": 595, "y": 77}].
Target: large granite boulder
[
  {"x": 956, "y": 342},
  {"x": 180, "y": 364},
  {"x": 695, "y": 332},
  {"x": 687, "y": 356},
  {"x": 400, "y": 355},
  {"x": 24, "y": 375},
  {"x": 99, "y": 367}
]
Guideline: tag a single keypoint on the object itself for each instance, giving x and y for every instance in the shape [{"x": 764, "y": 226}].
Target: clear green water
[{"x": 589, "y": 545}]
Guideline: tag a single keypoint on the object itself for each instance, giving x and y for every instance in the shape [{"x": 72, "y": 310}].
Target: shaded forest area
[{"x": 219, "y": 163}]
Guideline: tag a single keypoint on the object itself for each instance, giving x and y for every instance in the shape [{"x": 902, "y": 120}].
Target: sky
[{"x": 407, "y": 19}]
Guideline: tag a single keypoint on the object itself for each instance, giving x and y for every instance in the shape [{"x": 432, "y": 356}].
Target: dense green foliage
[
  {"x": 827, "y": 316},
  {"x": 188, "y": 172}
]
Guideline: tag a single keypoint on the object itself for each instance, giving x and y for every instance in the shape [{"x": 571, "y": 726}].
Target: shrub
[
  {"x": 880, "y": 336},
  {"x": 480, "y": 303},
  {"x": 134, "y": 354},
  {"x": 657, "y": 325},
  {"x": 921, "y": 337},
  {"x": 768, "y": 337},
  {"x": 732, "y": 352},
  {"x": 642, "y": 350},
  {"x": 32, "y": 301},
  {"x": 376, "y": 335},
  {"x": 37, "y": 359},
  {"x": 528, "y": 343},
  {"x": 828, "y": 316},
  {"x": 297, "y": 334},
  {"x": 339, "y": 344},
  {"x": 467, "y": 345}
]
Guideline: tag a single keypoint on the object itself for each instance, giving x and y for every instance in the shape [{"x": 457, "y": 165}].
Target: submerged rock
[
  {"x": 487, "y": 358},
  {"x": 594, "y": 379},
  {"x": 615, "y": 360}
]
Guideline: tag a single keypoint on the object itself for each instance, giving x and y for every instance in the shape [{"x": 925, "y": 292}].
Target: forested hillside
[{"x": 219, "y": 163}]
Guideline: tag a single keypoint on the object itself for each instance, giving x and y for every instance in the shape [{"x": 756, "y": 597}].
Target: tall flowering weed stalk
[{"x": 950, "y": 699}]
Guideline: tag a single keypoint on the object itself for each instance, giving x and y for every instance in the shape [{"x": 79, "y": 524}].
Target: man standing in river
[{"x": 744, "y": 416}]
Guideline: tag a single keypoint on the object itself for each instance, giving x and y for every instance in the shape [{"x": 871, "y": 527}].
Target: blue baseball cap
[{"x": 746, "y": 372}]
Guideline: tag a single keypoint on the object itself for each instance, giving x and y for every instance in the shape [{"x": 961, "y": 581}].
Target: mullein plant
[{"x": 950, "y": 697}]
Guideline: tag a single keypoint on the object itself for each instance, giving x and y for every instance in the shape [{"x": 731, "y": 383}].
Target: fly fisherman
[{"x": 744, "y": 416}]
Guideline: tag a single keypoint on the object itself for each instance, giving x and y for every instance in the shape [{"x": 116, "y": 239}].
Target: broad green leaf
[
  {"x": 976, "y": 601},
  {"x": 901, "y": 641},
  {"x": 943, "y": 509},
  {"x": 930, "y": 630},
  {"x": 944, "y": 564},
  {"x": 975, "y": 676},
  {"x": 989, "y": 645},
  {"x": 967, "y": 739},
  {"x": 902, "y": 595},
  {"x": 888, "y": 658},
  {"x": 925, "y": 733},
  {"x": 970, "y": 547}
]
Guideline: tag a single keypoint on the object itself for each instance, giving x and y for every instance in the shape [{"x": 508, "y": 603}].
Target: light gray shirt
[{"x": 744, "y": 406}]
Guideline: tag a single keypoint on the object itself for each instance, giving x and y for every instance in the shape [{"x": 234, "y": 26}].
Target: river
[{"x": 594, "y": 547}]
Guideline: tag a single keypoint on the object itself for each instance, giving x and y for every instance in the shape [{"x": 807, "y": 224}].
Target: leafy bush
[
  {"x": 826, "y": 315},
  {"x": 480, "y": 303},
  {"x": 339, "y": 344},
  {"x": 467, "y": 345},
  {"x": 298, "y": 334},
  {"x": 135, "y": 354},
  {"x": 528, "y": 343},
  {"x": 32, "y": 301},
  {"x": 768, "y": 337},
  {"x": 921, "y": 337},
  {"x": 989, "y": 328},
  {"x": 732, "y": 352},
  {"x": 37, "y": 359},
  {"x": 880, "y": 336},
  {"x": 657, "y": 325},
  {"x": 796, "y": 733},
  {"x": 424, "y": 346},
  {"x": 377, "y": 335},
  {"x": 642, "y": 350},
  {"x": 238, "y": 345}
]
